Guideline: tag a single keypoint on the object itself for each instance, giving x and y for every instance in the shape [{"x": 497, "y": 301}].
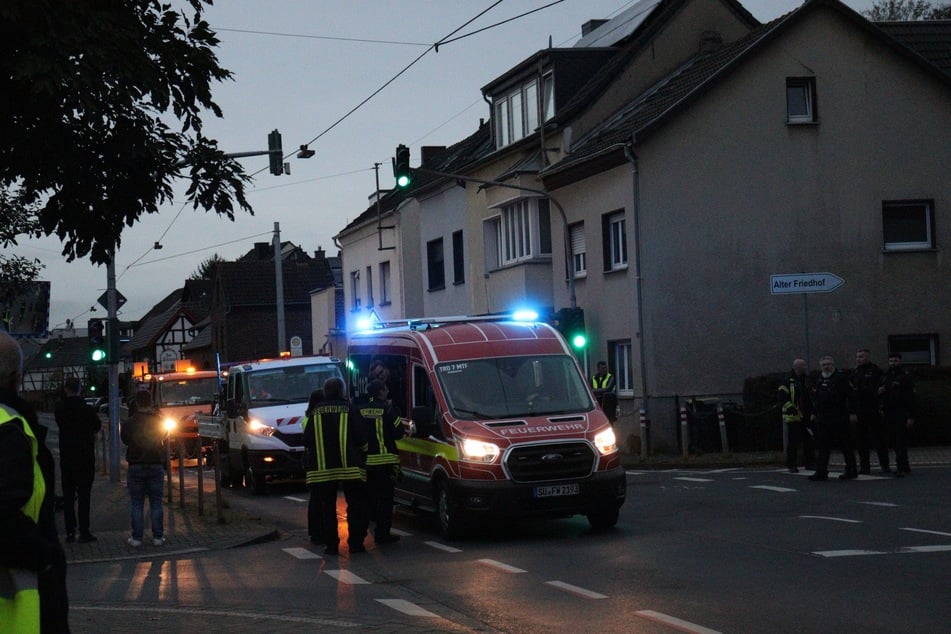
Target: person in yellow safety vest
[
  {"x": 796, "y": 405},
  {"x": 32, "y": 563},
  {"x": 335, "y": 449},
  {"x": 384, "y": 428},
  {"x": 604, "y": 387}
]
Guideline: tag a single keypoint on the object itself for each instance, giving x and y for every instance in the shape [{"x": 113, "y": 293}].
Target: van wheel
[
  {"x": 604, "y": 518},
  {"x": 449, "y": 516},
  {"x": 254, "y": 481}
]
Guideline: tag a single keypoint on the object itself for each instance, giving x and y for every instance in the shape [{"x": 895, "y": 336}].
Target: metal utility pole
[
  {"x": 112, "y": 345},
  {"x": 279, "y": 284}
]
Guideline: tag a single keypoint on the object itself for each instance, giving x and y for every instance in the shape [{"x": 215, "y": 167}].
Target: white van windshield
[
  {"x": 290, "y": 384},
  {"x": 506, "y": 387}
]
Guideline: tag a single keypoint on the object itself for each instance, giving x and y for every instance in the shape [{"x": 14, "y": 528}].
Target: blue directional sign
[{"x": 796, "y": 283}]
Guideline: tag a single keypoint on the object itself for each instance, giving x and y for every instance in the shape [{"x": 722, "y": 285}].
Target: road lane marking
[
  {"x": 921, "y": 530},
  {"x": 406, "y": 607},
  {"x": 258, "y": 616},
  {"x": 831, "y": 519},
  {"x": 397, "y": 531},
  {"x": 590, "y": 594},
  {"x": 886, "y": 504},
  {"x": 301, "y": 553},
  {"x": 499, "y": 565},
  {"x": 766, "y": 487},
  {"x": 673, "y": 621},
  {"x": 345, "y": 576},
  {"x": 854, "y": 552},
  {"x": 937, "y": 548},
  {"x": 724, "y": 470},
  {"x": 293, "y": 499},
  {"x": 688, "y": 479},
  {"x": 438, "y": 546}
]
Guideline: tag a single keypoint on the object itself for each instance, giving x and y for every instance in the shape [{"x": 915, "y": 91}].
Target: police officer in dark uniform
[
  {"x": 384, "y": 428},
  {"x": 866, "y": 379},
  {"x": 898, "y": 401},
  {"x": 830, "y": 400}
]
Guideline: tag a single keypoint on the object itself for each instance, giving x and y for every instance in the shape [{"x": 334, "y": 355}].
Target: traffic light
[
  {"x": 401, "y": 169},
  {"x": 96, "y": 332},
  {"x": 275, "y": 150},
  {"x": 570, "y": 323}
]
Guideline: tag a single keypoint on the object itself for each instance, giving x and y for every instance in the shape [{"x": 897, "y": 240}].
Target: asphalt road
[{"x": 731, "y": 550}]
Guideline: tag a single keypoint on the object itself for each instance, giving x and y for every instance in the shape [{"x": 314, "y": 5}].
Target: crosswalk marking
[
  {"x": 293, "y": 499},
  {"x": 500, "y": 566},
  {"x": 301, "y": 553},
  {"x": 847, "y": 552},
  {"x": 590, "y": 594},
  {"x": 397, "y": 531},
  {"x": 772, "y": 488},
  {"x": 443, "y": 547},
  {"x": 673, "y": 621},
  {"x": 937, "y": 548},
  {"x": 886, "y": 504},
  {"x": 831, "y": 519},
  {"x": 921, "y": 530},
  {"x": 345, "y": 576},
  {"x": 689, "y": 479},
  {"x": 406, "y": 607}
]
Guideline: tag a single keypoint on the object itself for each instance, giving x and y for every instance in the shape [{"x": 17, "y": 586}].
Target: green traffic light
[
  {"x": 48, "y": 355},
  {"x": 579, "y": 341},
  {"x": 403, "y": 181},
  {"x": 98, "y": 355}
]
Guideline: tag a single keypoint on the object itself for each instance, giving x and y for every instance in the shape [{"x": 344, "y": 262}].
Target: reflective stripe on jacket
[
  {"x": 19, "y": 597},
  {"x": 382, "y": 441},
  {"x": 791, "y": 406},
  {"x": 332, "y": 445}
]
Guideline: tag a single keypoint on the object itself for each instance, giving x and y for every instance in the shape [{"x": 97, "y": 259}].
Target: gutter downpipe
[{"x": 638, "y": 284}]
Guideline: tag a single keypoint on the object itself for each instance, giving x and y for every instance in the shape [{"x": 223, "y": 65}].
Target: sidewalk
[{"x": 185, "y": 530}]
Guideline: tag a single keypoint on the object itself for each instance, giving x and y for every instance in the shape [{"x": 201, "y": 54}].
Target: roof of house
[
  {"x": 929, "y": 38},
  {"x": 647, "y": 111},
  {"x": 252, "y": 283},
  {"x": 64, "y": 352}
]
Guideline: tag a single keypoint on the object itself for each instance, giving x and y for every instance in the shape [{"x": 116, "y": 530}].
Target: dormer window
[{"x": 516, "y": 113}]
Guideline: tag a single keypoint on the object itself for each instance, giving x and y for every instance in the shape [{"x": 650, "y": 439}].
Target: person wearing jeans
[{"x": 145, "y": 438}]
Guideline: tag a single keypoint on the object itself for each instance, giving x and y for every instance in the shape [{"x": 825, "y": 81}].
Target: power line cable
[
  {"x": 213, "y": 246},
  {"x": 324, "y": 37}
]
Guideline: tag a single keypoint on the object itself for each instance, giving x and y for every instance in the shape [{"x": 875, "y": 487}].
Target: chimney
[
  {"x": 262, "y": 250},
  {"x": 590, "y": 25}
]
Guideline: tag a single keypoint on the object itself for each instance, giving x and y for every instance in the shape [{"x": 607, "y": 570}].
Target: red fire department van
[{"x": 504, "y": 424}]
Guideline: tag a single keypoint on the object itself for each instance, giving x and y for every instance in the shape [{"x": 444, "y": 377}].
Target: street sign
[
  {"x": 104, "y": 300},
  {"x": 297, "y": 346},
  {"x": 796, "y": 283}
]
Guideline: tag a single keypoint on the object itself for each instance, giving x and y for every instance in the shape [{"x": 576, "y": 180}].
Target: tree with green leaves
[
  {"x": 206, "y": 270},
  {"x": 101, "y": 113},
  {"x": 907, "y": 11}
]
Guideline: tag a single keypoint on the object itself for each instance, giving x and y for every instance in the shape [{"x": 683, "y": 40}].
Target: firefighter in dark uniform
[
  {"x": 796, "y": 405},
  {"x": 335, "y": 456},
  {"x": 604, "y": 387},
  {"x": 384, "y": 428},
  {"x": 830, "y": 404},
  {"x": 898, "y": 401},
  {"x": 866, "y": 379}
]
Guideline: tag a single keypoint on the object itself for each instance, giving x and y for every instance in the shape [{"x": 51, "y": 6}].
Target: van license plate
[{"x": 557, "y": 489}]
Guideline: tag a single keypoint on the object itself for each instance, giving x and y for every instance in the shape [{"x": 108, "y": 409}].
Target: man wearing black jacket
[
  {"x": 898, "y": 402},
  {"x": 78, "y": 425},
  {"x": 830, "y": 401},
  {"x": 28, "y": 544}
]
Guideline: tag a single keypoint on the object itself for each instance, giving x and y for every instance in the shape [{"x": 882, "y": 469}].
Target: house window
[
  {"x": 800, "y": 100},
  {"x": 524, "y": 231},
  {"x": 516, "y": 114},
  {"x": 548, "y": 96},
  {"x": 435, "y": 265},
  {"x": 915, "y": 349},
  {"x": 354, "y": 290},
  {"x": 369, "y": 287},
  {"x": 614, "y": 235},
  {"x": 385, "y": 283},
  {"x": 908, "y": 225},
  {"x": 491, "y": 249},
  {"x": 620, "y": 355},
  {"x": 458, "y": 258},
  {"x": 579, "y": 259}
]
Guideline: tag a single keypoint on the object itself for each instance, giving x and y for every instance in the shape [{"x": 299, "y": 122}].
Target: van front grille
[{"x": 539, "y": 463}]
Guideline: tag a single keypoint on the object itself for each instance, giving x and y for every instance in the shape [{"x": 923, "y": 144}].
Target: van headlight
[
  {"x": 169, "y": 425},
  {"x": 606, "y": 441},
  {"x": 478, "y": 451},
  {"x": 257, "y": 427}
]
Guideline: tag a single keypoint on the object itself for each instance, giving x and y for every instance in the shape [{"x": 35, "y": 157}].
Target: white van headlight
[
  {"x": 606, "y": 441},
  {"x": 257, "y": 427},
  {"x": 478, "y": 451}
]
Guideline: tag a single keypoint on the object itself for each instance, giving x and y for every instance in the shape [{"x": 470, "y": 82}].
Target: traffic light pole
[
  {"x": 112, "y": 334},
  {"x": 572, "y": 300}
]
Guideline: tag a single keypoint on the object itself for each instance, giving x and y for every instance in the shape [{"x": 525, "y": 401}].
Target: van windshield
[
  {"x": 505, "y": 387},
  {"x": 290, "y": 384},
  {"x": 196, "y": 391}
]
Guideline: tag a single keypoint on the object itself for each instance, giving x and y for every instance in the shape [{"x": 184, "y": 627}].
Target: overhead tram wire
[{"x": 211, "y": 246}]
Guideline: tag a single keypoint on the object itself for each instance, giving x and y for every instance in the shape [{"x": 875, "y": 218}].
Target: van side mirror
[{"x": 423, "y": 419}]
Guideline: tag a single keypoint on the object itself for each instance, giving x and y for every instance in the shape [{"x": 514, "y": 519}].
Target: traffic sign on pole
[{"x": 795, "y": 283}]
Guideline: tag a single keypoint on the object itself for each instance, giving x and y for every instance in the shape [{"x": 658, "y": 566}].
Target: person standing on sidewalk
[
  {"x": 78, "y": 424},
  {"x": 898, "y": 402},
  {"x": 866, "y": 379},
  {"x": 797, "y": 411},
  {"x": 144, "y": 437},
  {"x": 313, "y": 504},
  {"x": 337, "y": 440},
  {"x": 33, "y": 595},
  {"x": 830, "y": 403},
  {"x": 384, "y": 428}
]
